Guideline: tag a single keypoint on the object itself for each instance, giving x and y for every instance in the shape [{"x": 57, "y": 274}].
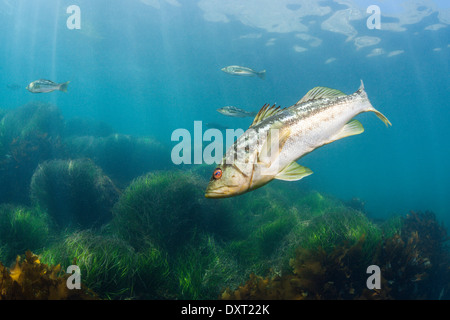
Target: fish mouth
[
  {"x": 219, "y": 193},
  {"x": 223, "y": 192},
  {"x": 216, "y": 195}
]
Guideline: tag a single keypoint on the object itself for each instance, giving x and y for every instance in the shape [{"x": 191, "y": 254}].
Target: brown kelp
[
  {"x": 415, "y": 261},
  {"x": 30, "y": 279},
  {"x": 315, "y": 274}
]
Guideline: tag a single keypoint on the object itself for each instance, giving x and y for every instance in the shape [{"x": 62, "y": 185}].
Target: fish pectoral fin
[
  {"x": 293, "y": 172},
  {"x": 352, "y": 128}
]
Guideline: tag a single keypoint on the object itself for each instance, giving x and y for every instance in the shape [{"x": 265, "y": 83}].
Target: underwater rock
[
  {"x": 30, "y": 279},
  {"x": 122, "y": 157},
  {"x": 28, "y": 135},
  {"x": 32, "y": 117},
  {"x": 74, "y": 192}
]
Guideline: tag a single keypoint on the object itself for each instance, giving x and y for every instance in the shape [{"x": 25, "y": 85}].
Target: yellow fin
[
  {"x": 265, "y": 112},
  {"x": 320, "y": 93},
  {"x": 352, "y": 128},
  {"x": 293, "y": 172},
  {"x": 382, "y": 117}
]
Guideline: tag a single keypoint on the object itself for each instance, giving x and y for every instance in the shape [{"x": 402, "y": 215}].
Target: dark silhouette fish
[{"x": 13, "y": 86}]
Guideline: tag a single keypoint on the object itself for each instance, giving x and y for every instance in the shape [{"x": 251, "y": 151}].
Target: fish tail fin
[
  {"x": 262, "y": 74},
  {"x": 381, "y": 116},
  {"x": 361, "y": 86},
  {"x": 63, "y": 86}
]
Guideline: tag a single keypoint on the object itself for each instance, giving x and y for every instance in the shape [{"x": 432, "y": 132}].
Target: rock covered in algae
[
  {"x": 74, "y": 192},
  {"x": 28, "y": 135},
  {"x": 122, "y": 157},
  {"x": 316, "y": 274},
  {"x": 109, "y": 266},
  {"x": 21, "y": 228},
  {"x": 416, "y": 259},
  {"x": 414, "y": 263},
  {"x": 163, "y": 208}
]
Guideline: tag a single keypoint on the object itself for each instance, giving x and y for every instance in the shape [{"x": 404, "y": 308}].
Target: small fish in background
[
  {"x": 231, "y": 111},
  {"x": 13, "y": 86},
  {"x": 244, "y": 71},
  {"x": 44, "y": 86}
]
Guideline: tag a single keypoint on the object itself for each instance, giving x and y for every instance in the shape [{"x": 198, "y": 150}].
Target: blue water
[{"x": 150, "y": 67}]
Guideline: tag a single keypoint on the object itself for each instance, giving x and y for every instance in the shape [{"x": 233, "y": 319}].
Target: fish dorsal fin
[
  {"x": 265, "y": 112},
  {"x": 320, "y": 93}
]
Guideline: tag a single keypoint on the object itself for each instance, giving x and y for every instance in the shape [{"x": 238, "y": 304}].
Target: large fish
[
  {"x": 231, "y": 111},
  {"x": 244, "y": 71},
  {"x": 278, "y": 137},
  {"x": 44, "y": 86}
]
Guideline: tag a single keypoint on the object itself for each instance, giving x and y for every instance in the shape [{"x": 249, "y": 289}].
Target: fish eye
[{"x": 217, "y": 174}]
